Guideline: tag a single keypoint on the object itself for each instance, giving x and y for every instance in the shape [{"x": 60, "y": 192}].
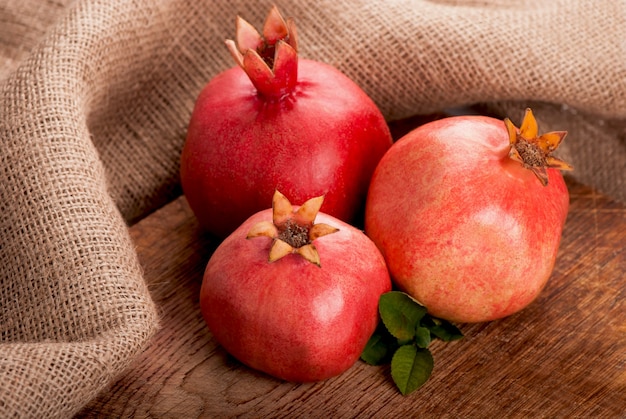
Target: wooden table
[{"x": 563, "y": 356}]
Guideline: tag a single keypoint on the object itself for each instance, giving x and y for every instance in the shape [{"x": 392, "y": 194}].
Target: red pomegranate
[
  {"x": 468, "y": 213},
  {"x": 293, "y": 298},
  {"x": 278, "y": 122}
]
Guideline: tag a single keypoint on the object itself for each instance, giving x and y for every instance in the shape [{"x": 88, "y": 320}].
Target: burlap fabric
[{"x": 95, "y": 99}]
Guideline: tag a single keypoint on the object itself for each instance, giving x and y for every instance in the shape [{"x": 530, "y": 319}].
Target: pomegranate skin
[
  {"x": 323, "y": 138},
  {"x": 468, "y": 232},
  {"x": 290, "y": 318}
]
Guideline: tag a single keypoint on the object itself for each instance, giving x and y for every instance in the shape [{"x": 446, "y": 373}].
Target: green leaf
[
  {"x": 411, "y": 367},
  {"x": 422, "y": 337},
  {"x": 403, "y": 337},
  {"x": 401, "y": 314},
  {"x": 380, "y": 347},
  {"x": 443, "y": 329}
]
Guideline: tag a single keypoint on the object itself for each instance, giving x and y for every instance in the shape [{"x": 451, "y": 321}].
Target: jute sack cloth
[{"x": 95, "y": 99}]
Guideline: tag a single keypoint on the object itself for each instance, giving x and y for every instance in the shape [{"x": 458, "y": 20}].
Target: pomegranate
[
  {"x": 468, "y": 213},
  {"x": 293, "y": 298},
  {"x": 278, "y": 122}
]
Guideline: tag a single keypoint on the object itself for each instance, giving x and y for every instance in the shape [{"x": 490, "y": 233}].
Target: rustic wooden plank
[{"x": 563, "y": 356}]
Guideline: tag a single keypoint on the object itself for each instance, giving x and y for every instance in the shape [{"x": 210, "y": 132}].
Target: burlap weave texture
[{"x": 95, "y": 98}]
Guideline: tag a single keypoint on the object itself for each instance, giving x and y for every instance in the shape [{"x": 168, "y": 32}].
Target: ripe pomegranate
[
  {"x": 293, "y": 298},
  {"x": 278, "y": 122},
  {"x": 468, "y": 213}
]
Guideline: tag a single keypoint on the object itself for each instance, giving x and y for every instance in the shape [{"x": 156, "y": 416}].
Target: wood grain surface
[{"x": 563, "y": 356}]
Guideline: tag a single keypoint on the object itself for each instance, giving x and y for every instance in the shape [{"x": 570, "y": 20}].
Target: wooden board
[{"x": 563, "y": 356}]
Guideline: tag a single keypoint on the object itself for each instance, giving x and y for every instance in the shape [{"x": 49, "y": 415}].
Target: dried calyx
[
  {"x": 293, "y": 231},
  {"x": 270, "y": 60},
  {"x": 533, "y": 152}
]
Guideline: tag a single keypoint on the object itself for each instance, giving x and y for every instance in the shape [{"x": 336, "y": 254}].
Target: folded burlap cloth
[{"x": 94, "y": 103}]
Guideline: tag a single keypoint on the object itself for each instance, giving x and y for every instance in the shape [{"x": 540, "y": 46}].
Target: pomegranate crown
[
  {"x": 270, "y": 60},
  {"x": 293, "y": 231},
  {"x": 532, "y": 151}
]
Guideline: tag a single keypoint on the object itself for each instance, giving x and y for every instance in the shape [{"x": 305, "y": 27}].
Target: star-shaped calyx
[
  {"x": 535, "y": 153},
  {"x": 270, "y": 60},
  {"x": 293, "y": 231}
]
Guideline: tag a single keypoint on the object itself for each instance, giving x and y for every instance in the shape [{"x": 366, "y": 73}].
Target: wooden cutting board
[{"x": 563, "y": 356}]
